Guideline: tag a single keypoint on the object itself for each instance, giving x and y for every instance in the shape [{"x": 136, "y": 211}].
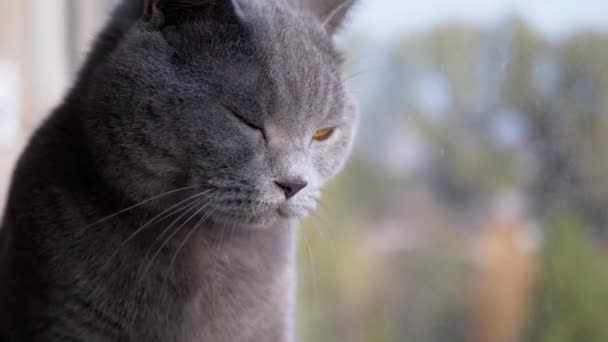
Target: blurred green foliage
[{"x": 573, "y": 290}]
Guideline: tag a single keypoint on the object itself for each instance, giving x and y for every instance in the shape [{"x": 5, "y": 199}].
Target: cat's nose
[{"x": 291, "y": 187}]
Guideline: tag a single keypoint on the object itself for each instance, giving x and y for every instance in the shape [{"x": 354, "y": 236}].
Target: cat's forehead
[
  {"x": 296, "y": 39},
  {"x": 282, "y": 66},
  {"x": 299, "y": 65}
]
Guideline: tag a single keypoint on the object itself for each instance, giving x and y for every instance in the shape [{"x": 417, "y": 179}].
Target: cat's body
[
  {"x": 203, "y": 119},
  {"x": 92, "y": 290}
]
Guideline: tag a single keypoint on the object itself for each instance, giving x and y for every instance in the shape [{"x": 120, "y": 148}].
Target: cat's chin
[
  {"x": 292, "y": 212},
  {"x": 269, "y": 218},
  {"x": 258, "y": 221}
]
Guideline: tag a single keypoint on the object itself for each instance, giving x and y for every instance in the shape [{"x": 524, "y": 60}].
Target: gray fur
[{"x": 208, "y": 104}]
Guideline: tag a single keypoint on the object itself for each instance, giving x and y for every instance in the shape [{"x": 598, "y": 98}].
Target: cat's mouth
[
  {"x": 293, "y": 211},
  {"x": 267, "y": 215}
]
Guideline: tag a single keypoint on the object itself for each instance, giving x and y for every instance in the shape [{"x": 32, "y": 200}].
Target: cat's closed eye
[
  {"x": 324, "y": 134},
  {"x": 244, "y": 121}
]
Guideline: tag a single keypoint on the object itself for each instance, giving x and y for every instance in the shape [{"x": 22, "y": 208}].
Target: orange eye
[{"x": 323, "y": 134}]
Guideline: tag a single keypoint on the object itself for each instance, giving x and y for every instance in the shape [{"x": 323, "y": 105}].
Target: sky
[{"x": 555, "y": 18}]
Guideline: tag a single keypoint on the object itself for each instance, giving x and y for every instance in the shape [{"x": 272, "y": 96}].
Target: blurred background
[{"x": 474, "y": 208}]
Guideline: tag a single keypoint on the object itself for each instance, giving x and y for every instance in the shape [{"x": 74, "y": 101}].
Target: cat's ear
[
  {"x": 175, "y": 11},
  {"x": 331, "y": 13},
  {"x": 150, "y": 8}
]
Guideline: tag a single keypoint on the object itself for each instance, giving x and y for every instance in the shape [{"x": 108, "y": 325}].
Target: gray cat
[{"x": 156, "y": 203}]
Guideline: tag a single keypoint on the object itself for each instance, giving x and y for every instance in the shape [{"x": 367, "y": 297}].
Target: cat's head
[{"x": 243, "y": 99}]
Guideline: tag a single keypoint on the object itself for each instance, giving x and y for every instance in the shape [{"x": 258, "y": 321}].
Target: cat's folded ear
[
  {"x": 332, "y": 13},
  {"x": 176, "y": 11}
]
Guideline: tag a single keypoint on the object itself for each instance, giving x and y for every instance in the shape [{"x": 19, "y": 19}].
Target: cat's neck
[
  {"x": 246, "y": 281},
  {"x": 226, "y": 284}
]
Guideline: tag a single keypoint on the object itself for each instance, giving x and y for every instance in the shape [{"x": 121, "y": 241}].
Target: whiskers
[
  {"x": 107, "y": 218},
  {"x": 172, "y": 210},
  {"x": 186, "y": 239},
  {"x": 317, "y": 222},
  {"x": 320, "y": 227},
  {"x": 192, "y": 207}
]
